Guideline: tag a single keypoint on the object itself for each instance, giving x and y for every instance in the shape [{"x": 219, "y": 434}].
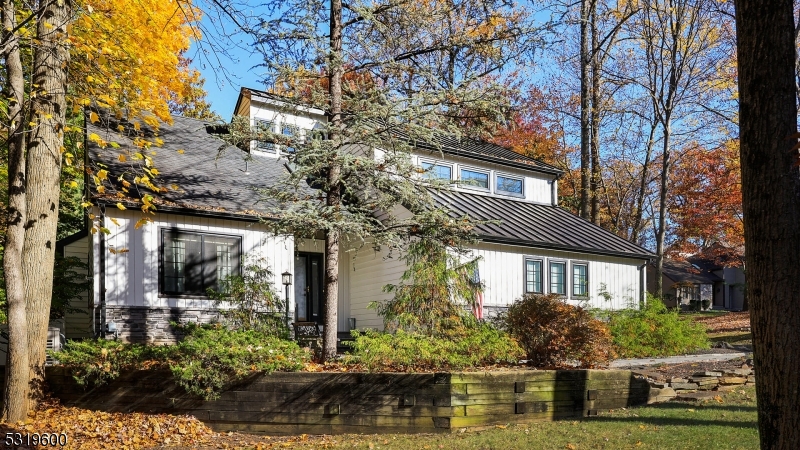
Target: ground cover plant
[
  {"x": 654, "y": 330},
  {"x": 207, "y": 360},
  {"x": 556, "y": 334},
  {"x": 481, "y": 346}
]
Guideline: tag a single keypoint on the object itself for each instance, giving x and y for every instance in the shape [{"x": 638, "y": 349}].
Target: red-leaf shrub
[{"x": 555, "y": 334}]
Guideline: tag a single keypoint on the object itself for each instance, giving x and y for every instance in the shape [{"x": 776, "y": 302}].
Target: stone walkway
[{"x": 625, "y": 363}]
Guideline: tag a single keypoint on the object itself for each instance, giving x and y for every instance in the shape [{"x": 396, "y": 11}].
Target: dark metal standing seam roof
[
  {"x": 686, "y": 272},
  {"x": 535, "y": 225}
]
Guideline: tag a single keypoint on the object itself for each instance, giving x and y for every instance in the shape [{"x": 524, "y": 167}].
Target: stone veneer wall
[{"x": 152, "y": 325}]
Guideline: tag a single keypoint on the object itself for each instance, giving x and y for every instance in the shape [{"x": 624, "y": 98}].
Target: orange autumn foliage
[{"x": 706, "y": 201}]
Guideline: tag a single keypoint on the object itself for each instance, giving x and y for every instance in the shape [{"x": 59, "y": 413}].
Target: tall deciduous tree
[
  {"x": 771, "y": 202},
  {"x": 416, "y": 66},
  {"x": 58, "y": 57}
]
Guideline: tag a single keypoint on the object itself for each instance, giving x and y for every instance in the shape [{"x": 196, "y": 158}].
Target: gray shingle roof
[
  {"x": 685, "y": 272},
  {"x": 207, "y": 183},
  {"x": 536, "y": 225}
]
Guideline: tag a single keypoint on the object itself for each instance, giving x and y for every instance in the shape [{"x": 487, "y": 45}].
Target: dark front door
[{"x": 308, "y": 287}]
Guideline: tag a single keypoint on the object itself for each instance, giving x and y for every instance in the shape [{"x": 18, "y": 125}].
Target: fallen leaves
[
  {"x": 99, "y": 430},
  {"x": 732, "y": 321}
]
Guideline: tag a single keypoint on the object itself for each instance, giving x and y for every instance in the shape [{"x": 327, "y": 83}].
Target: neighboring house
[
  {"x": 144, "y": 277},
  {"x": 709, "y": 275}
]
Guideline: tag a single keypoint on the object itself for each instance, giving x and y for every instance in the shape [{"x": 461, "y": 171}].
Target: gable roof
[
  {"x": 686, "y": 272},
  {"x": 536, "y": 225},
  {"x": 209, "y": 183},
  {"x": 448, "y": 144}
]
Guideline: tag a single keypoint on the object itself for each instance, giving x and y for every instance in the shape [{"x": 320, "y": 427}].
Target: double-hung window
[
  {"x": 508, "y": 185},
  {"x": 558, "y": 277},
  {"x": 191, "y": 263},
  {"x": 474, "y": 179},
  {"x": 533, "y": 276},
  {"x": 435, "y": 171},
  {"x": 264, "y": 143},
  {"x": 580, "y": 279}
]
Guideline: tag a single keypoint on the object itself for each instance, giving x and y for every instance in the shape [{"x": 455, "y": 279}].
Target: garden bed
[{"x": 336, "y": 403}]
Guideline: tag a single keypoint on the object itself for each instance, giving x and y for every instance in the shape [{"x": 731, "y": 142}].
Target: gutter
[
  {"x": 525, "y": 243},
  {"x": 193, "y": 212}
]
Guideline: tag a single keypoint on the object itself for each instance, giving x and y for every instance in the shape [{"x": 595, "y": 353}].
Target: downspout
[
  {"x": 554, "y": 191},
  {"x": 102, "y": 275}
]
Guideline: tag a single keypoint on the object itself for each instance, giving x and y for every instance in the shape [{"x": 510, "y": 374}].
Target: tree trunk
[
  {"x": 639, "y": 213},
  {"x": 51, "y": 56},
  {"x": 662, "y": 211},
  {"x": 595, "y": 117},
  {"x": 15, "y": 395},
  {"x": 334, "y": 197},
  {"x": 585, "y": 126},
  {"x": 771, "y": 204}
]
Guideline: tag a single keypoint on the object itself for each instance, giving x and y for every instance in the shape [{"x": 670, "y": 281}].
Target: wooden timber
[{"x": 335, "y": 403}]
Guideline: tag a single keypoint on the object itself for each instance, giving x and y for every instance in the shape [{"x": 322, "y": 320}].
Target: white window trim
[
  {"x": 437, "y": 163},
  {"x": 541, "y": 261},
  {"x": 506, "y": 193},
  {"x": 572, "y": 276},
  {"x": 487, "y": 172}
]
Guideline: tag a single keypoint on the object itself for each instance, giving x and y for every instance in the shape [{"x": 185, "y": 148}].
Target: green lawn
[{"x": 729, "y": 424}]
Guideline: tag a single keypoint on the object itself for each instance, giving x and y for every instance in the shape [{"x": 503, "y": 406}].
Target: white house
[{"x": 144, "y": 277}]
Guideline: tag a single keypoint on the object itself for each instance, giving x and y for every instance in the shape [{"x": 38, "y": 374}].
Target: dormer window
[
  {"x": 474, "y": 179},
  {"x": 435, "y": 171},
  {"x": 508, "y": 185}
]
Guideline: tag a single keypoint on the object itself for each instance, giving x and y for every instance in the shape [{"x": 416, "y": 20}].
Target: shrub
[
  {"x": 554, "y": 333},
  {"x": 654, "y": 330},
  {"x": 254, "y": 304},
  {"x": 434, "y": 293},
  {"x": 98, "y": 361},
  {"x": 403, "y": 351},
  {"x": 211, "y": 358}
]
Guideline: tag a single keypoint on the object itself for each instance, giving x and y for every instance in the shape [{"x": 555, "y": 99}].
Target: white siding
[
  {"x": 370, "y": 271},
  {"x": 79, "y": 325},
  {"x": 131, "y": 273},
  {"x": 502, "y": 271}
]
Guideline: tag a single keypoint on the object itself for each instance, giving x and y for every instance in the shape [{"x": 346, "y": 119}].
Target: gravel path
[{"x": 709, "y": 357}]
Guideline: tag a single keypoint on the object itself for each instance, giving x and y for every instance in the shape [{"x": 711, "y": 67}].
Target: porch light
[{"x": 286, "y": 278}]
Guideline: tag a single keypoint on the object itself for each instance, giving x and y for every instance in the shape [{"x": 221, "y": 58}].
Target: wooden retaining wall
[{"x": 336, "y": 403}]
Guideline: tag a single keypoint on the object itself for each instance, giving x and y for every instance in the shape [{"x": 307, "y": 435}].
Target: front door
[{"x": 308, "y": 287}]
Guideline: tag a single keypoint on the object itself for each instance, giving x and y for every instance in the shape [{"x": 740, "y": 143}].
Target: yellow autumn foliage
[{"x": 127, "y": 54}]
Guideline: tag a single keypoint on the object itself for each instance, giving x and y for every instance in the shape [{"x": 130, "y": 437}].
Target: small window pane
[
  {"x": 533, "y": 276},
  {"x": 580, "y": 280},
  {"x": 265, "y": 126},
  {"x": 290, "y": 131},
  {"x": 557, "y": 278},
  {"x": 474, "y": 179},
  {"x": 509, "y": 185},
  {"x": 437, "y": 171}
]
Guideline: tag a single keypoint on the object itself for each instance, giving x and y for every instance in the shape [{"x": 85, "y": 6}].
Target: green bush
[
  {"x": 402, "y": 351},
  {"x": 211, "y": 358},
  {"x": 554, "y": 333},
  {"x": 206, "y": 361},
  {"x": 654, "y": 330},
  {"x": 96, "y": 362}
]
